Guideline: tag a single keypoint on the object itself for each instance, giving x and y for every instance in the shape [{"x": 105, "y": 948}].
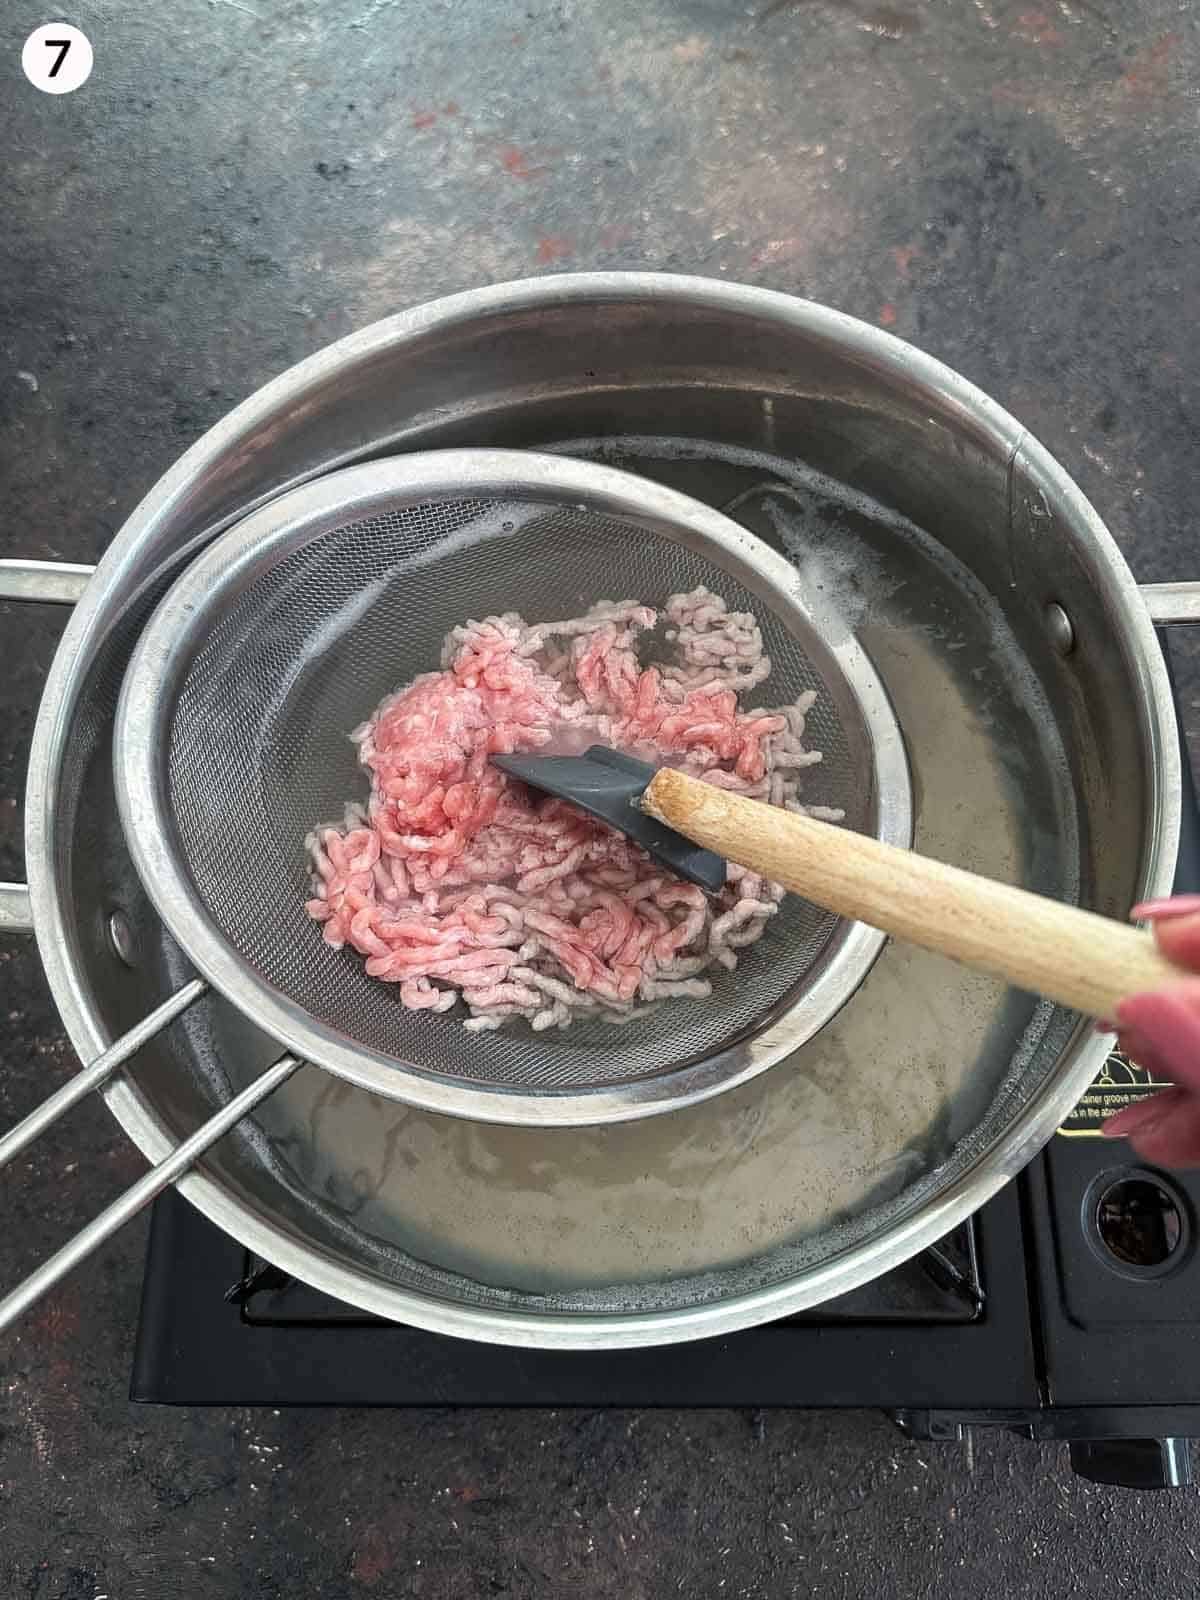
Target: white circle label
[{"x": 57, "y": 58}]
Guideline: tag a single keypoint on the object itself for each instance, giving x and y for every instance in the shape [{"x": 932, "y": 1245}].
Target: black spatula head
[{"x": 607, "y": 784}]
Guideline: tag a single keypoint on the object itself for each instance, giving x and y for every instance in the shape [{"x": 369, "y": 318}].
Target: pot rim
[{"x": 118, "y": 573}]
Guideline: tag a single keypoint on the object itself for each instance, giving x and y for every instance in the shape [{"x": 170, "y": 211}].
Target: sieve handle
[
  {"x": 99, "y": 1071},
  {"x": 1074, "y": 957},
  {"x": 152, "y": 1183}
]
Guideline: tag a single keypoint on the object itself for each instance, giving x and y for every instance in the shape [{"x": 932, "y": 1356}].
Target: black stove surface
[
  {"x": 1068, "y": 1307},
  {"x": 219, "y": 1326}
]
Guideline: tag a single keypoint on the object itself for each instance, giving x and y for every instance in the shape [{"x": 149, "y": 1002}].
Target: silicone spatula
[{"x": 1074, "y": 957}]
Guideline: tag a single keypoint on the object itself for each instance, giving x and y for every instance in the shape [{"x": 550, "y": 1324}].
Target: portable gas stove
[{"x": 1068, "y": 1308}]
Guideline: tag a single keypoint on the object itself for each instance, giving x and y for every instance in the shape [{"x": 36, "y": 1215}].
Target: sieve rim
[{"x": 256, "y": 544}]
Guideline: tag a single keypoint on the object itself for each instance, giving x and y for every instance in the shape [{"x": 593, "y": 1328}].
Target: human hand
[{"x": 1160, "y": 1030}]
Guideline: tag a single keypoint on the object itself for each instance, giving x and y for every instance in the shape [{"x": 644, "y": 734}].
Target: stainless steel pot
[{"x": 1024, "y": 666}]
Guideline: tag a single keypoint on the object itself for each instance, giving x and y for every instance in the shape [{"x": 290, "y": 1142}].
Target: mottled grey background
[{"x": 1012, "y": 184}]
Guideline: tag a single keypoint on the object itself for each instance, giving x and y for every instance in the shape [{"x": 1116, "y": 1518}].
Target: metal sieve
[{"x": 232, "y": 744}]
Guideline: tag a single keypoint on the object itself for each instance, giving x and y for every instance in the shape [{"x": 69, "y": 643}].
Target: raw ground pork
[{"x": 455, "y": 881}]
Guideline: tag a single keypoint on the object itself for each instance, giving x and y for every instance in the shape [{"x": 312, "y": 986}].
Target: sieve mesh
[{"x": 306, "y": 648}]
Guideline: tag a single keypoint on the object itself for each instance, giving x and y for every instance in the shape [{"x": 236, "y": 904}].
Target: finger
[
  {"x": 1142, "y": 1053},
  {"x": 1179, "y": 939},
  {"x": 1141, "y": 1116},
  {"x": 1173, "y": 1138},
  {"x": 1178, "y": 905},
  {"x": 1167, "y": 1024}
]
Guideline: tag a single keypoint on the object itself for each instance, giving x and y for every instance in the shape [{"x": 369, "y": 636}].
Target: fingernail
[{"x": 1179, "y": 905}]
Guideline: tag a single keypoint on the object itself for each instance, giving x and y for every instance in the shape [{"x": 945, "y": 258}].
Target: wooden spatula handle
[{"x": 1071, "y": 956}]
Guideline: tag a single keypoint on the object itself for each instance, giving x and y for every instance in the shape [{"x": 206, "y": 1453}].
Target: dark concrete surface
[{"x": 1010, "y": 183}]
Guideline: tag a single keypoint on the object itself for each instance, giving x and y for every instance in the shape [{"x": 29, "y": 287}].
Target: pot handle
[
  {"x": 63, "y": 584},
  {"x": 15, "y": 915},
  {"x": 54, "y": 583},
  {"x": 1172, "y": 602}
]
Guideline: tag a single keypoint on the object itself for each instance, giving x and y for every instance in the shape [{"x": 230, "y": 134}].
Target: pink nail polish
[{"x": 1180, "y": 905}]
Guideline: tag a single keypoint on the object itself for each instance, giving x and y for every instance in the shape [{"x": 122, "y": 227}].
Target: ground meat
[{"x": 455, "y": 881}]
